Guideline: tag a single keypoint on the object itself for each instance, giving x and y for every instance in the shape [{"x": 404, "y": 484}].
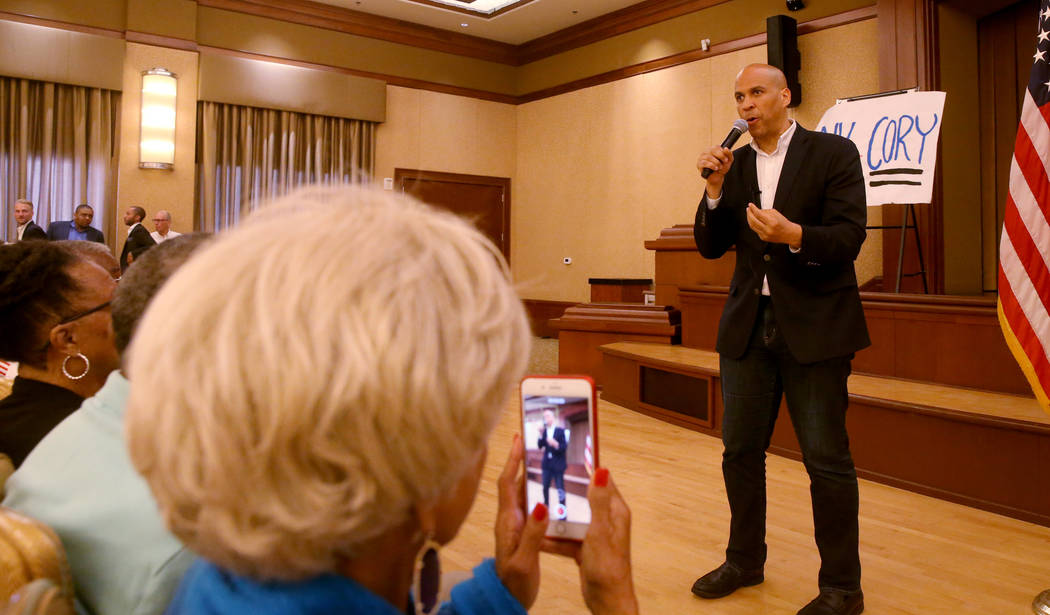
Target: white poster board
[{"x": 896, "y": 136}]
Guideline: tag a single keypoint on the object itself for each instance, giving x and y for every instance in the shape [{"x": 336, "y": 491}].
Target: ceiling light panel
[{"x": 482, "y": 7}]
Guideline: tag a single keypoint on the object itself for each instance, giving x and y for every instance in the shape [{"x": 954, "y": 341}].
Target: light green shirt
[{"x": 80, "y": 481}]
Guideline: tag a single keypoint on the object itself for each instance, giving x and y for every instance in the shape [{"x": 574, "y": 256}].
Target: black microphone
[{"x": 739, "y": 126}]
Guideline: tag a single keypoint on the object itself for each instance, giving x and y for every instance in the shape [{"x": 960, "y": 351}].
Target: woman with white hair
[{"x": 328, "y": 427}]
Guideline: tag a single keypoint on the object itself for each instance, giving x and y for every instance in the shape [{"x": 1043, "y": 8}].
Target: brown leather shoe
[
  {"x": 725, "y": 580},
  {"x": 835, "y": 602}
]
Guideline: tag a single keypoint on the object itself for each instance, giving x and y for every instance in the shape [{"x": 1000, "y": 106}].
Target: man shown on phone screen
[
  {"x": 792, "y": 203},
  {"x": 553, "y": 442}
]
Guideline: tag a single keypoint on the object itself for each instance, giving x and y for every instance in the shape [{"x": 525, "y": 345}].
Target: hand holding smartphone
[{"x": 560, "y": 433}]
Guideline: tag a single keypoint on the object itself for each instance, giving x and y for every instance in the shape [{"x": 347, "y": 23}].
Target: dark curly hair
[{"x": 36, "y": 288}]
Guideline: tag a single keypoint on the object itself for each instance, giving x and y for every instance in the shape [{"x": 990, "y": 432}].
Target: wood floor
[{"x": 920, "y": 555}]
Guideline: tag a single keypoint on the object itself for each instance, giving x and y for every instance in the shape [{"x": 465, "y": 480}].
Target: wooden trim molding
[
  {"x": 815, "y": 25},
  {"x": 314, "y": 14},
  {"x": 160, "y": 41},
  {"x": 416, "y": 84},
  {"x": 307, "y": 13},
  {"x": 609, "y": 25},
  {"x": 60, "y": 25}
]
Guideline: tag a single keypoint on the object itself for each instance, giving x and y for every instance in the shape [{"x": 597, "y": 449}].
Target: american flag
[{"x": 1024, "y": 250}]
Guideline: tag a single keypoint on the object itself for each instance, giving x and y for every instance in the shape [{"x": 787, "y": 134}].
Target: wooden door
[{"x": 483, "y": 200}]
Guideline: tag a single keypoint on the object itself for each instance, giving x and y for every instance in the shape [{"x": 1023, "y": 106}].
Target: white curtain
[
  {"x": 247, "y": 155},
  {"x": 58, "y": 148}
]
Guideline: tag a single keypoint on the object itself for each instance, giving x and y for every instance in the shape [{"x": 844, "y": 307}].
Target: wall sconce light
[{"x": 157, "y": 127}]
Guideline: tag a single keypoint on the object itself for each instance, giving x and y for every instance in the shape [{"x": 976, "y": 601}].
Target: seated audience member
[
  {"x": 80, "y": 481},
  {"x": 54, "y": 320},
  {"x": 327, "y": 431},
  {"x": 77, "y": 228},
  {"x": 97, "y": 253}
]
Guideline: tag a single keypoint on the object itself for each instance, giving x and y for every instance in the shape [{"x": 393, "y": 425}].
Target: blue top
[
  {"x": 209, "y": 590},
  {"x": 75, "y": 234}
]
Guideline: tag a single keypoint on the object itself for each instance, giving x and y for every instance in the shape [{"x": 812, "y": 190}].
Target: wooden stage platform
[
  {"x": 937, "y": 403},
  {"x": 980, "y": 448}
]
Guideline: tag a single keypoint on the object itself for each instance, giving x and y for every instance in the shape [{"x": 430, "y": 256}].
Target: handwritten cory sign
[{"x": 897, "y": 139}]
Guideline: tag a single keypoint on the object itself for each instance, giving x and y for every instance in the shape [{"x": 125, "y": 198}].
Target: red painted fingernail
[
  {"x": 601, "y": 477},
  {"x": 540, "y": 512}
]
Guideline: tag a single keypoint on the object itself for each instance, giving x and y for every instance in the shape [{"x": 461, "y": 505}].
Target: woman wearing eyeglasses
[
  {"x": 55, "y": 322},
  {"x": 329, "y": 429}
]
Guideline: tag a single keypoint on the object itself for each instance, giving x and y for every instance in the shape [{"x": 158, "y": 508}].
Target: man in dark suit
[
  {"x": 77, "y": 228},
  {"x": 553, "y": 443},
  {"x": 139, "y": 239},
  {"x": 793, "y": 204},
  {"x": 26, "y": 229}
]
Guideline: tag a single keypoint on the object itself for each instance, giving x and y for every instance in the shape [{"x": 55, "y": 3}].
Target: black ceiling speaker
[
  {"x": 795, "y": 5},
  {"x": 782, "y": 52}
]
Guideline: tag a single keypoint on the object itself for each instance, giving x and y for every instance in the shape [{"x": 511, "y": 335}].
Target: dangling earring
[
  {"x": 427, "y": 576},
  {"x": 79, "y": 355}
]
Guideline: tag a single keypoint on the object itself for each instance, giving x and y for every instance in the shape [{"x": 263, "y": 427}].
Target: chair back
[
  {"x": 7, "y": 468},
  {"x": 40, "y": 597},
  {"x": 30, "y": 550}
]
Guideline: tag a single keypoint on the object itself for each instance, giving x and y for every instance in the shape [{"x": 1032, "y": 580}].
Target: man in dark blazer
[
  {"x": 26, "y": 229},
  {"x": 139, "y": 239},
  {"x": 553, "y": 443},
  {"x": 793, "y": 204},
  {"x": 77, "y": 228}
]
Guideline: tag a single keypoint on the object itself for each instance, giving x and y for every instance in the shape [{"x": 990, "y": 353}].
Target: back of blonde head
[{"x": 297, "y": 386}]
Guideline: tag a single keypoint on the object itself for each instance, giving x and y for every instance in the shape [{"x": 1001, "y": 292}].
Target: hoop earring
[
  {"x": 427, "y": 576},
  {"x": 79, "y": 355}
]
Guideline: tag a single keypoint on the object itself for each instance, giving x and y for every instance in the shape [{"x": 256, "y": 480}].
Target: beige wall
[
  {"x": 725, "y": 21},
  {"x": 156, "y": 189},
  {"x": 594, "y": 172},
  {"x": 603, "y": 169},
  {"x": 453, "y": 134},
  {"x": 48, "y": 54}
]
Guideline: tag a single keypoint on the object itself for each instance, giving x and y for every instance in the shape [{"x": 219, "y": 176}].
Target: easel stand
[{"x": 905, "y": 224}]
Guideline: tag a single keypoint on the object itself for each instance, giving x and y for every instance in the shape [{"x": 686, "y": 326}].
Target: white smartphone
[{"x": 560, "y": 429}]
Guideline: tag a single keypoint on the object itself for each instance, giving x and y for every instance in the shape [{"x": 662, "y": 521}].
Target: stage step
[{"x": 985, "y": 449}]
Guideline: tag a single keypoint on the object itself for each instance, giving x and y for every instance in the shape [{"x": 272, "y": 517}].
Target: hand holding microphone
[{"x": 715, "y": 163}]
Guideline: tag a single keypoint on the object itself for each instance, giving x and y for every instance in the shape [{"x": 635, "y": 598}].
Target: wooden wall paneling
[
  {"x": 879, "y": 358},
  {"x": 578, "y": 351},
  {"x": 981, "y": 449},
  {"x": 701, "y": 312},
  {"x": 678, "y": 264},
  {"x": 1005, "y": 44},
  {"x": 996, "y": 467},
  {"x": 541, "y": 311},
  {"x": 587, "y": 326},
  {"x": 1004, "y": 67},
  {"x": 986, "y": 151},
  {"x": 944, "y": 339}
]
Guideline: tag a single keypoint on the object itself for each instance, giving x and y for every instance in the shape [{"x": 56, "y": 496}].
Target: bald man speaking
[{"x": 792, "y": 202}]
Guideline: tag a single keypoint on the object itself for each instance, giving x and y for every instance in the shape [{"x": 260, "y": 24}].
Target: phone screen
[{"x": 560, "y": 450}]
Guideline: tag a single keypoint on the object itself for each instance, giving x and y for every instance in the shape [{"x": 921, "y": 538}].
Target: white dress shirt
[
  {"x": 162, "y": 238},
  {"x": 768, "y": 168}
]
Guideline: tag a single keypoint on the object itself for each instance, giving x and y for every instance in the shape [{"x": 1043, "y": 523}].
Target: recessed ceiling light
[
  {"x": 482, "y": 7},
  {"x": 464, "y": 25}
]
